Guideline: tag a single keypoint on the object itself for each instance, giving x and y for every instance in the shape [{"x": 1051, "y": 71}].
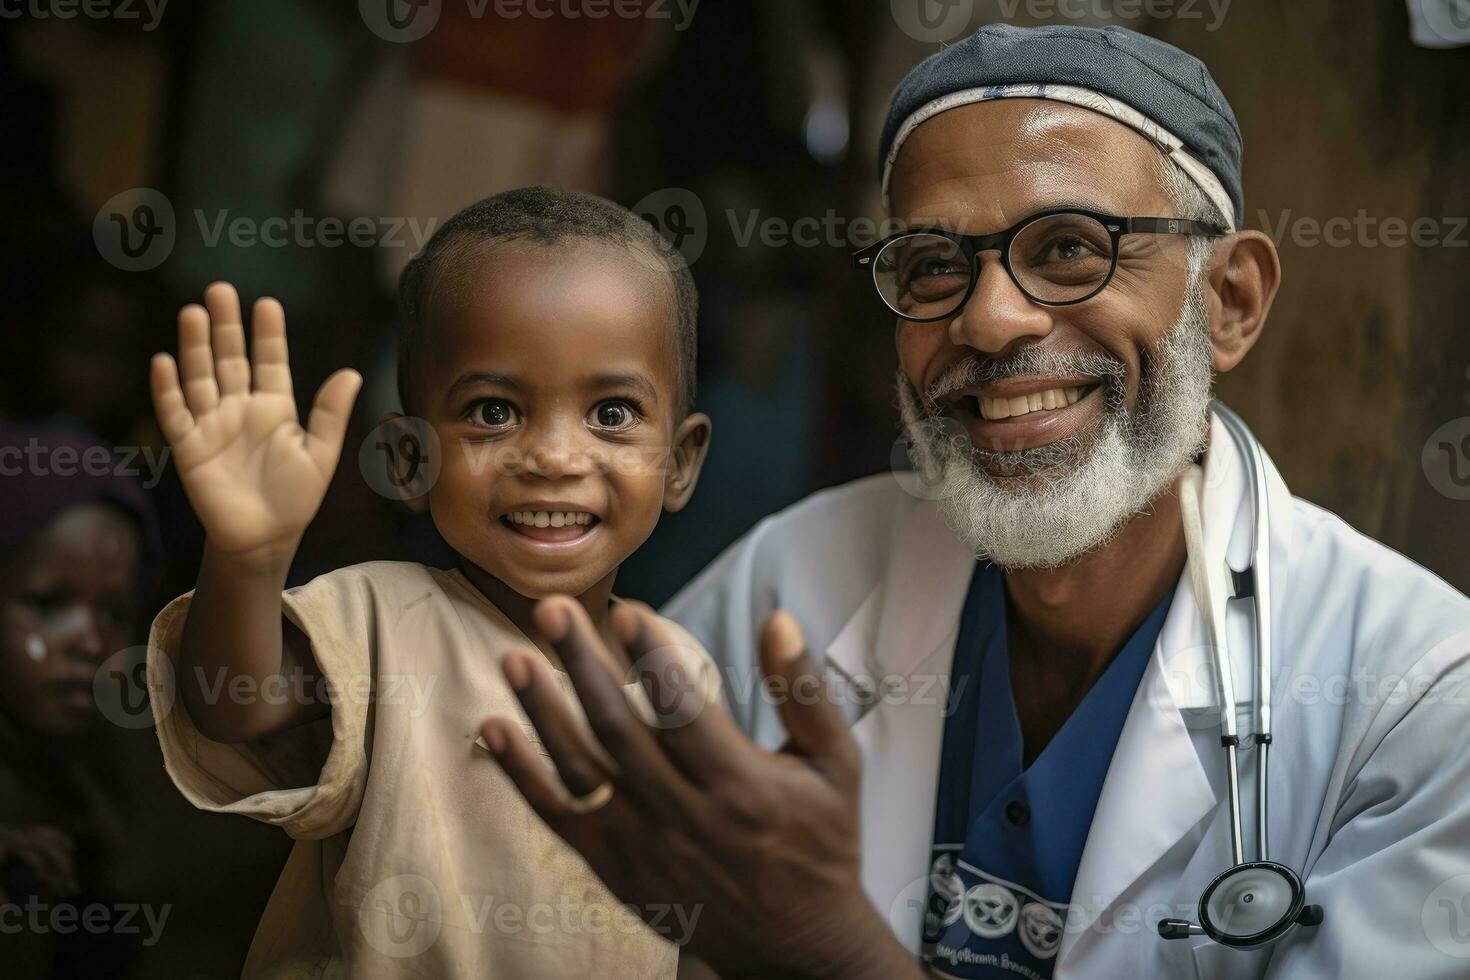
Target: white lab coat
[{"x": 1370, "y": 768}]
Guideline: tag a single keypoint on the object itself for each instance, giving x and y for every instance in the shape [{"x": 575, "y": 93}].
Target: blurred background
[{"x": 305, "y": 148}]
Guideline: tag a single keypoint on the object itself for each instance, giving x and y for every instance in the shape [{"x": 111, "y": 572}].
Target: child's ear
[
  {"x": 686, "y": 458},
  {"x": 408, "y": 466}
]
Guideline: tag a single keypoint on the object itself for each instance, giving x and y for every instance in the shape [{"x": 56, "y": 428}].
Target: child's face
[
  {"x": 68, "y": 600},
  {"x": 549, "y": 377}
]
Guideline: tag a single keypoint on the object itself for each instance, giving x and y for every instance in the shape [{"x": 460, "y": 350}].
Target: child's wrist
[{"x": 271, "y": 561}]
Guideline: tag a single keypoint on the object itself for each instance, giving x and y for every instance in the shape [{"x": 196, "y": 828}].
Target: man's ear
[
  {"x": 406, "y": 459},
  {"x": 686, "y": 459},
  {"x": 1244, "y": 283}
]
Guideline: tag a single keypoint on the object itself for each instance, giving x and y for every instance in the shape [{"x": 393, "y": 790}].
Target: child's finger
[
  {"x": 271, "y": 365},
  {"x": 330, "y": 413},
  {"x": 227, "y": 335},
  {"x": 196, "y": 360},
  {"x": 168, "y": 398}
]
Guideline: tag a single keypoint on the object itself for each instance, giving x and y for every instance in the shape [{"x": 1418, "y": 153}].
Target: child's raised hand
[{"x": 254, "y": 476}]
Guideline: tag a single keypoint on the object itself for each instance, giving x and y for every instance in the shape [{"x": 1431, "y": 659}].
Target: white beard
[{"x": 1058, "y": 502}]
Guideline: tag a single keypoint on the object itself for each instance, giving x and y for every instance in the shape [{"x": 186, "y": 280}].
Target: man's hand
[
  {"x": 763, "y": 847},
  {"x": 253, "y": 474}
]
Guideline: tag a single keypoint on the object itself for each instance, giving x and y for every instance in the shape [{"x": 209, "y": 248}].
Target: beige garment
[{"x": 415, "y": 855}]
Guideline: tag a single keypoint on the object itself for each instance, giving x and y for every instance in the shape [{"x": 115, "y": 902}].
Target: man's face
[{"x": 1075, "y": 416}]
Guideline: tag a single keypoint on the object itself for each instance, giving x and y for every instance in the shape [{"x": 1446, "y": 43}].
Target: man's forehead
[{"x": 1007, "y": 158}]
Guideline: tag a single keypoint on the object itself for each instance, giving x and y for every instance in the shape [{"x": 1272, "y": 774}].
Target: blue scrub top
[{"x": 1007, "y": 840}]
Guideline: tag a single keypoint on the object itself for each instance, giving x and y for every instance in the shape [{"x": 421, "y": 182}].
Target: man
[{"x": 1019, "y": 636}]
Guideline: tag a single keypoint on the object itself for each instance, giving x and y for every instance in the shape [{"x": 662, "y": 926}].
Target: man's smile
[{"x": 1020, "y": 413}]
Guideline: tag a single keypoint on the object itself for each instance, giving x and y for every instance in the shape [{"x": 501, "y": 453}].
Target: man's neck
[{"x": 1066, "y": 624}]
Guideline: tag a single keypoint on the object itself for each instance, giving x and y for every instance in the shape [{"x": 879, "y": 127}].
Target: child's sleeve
[{"x": 308, "y": 780}]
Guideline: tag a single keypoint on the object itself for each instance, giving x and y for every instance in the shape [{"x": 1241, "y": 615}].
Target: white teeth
[
  {"x": 1041, "y": 401},
  {"x": 546, "y": 518}
]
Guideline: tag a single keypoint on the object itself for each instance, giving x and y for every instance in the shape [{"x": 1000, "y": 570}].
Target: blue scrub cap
[{"x": 1152, "y": 86}]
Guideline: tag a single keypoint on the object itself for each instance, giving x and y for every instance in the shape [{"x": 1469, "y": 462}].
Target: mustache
[{"x": 1029, "y": 361}]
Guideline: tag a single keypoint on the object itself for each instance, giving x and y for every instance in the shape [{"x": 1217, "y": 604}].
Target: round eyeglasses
[{"x": 1056, "y": 258}]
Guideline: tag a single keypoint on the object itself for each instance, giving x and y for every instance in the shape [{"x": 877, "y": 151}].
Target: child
[{"x": 548, "y": 346}]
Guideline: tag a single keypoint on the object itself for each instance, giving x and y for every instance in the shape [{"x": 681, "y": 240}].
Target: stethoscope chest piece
[{"x": 1254, "y": 904}]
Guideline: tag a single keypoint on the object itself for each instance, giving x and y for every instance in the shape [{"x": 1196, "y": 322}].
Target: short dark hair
[{"x": 543, "y": 216}]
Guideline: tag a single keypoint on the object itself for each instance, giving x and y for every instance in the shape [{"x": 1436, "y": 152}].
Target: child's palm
[{"x": 254, "y": 475}]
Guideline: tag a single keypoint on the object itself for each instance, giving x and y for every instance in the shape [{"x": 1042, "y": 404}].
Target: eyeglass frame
[{"x": 972, "y": 245}]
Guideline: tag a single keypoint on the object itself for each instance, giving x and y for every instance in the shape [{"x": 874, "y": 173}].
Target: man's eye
[
  {"x": 614, "y": 415},
  {"x": 492, "y": 413}
]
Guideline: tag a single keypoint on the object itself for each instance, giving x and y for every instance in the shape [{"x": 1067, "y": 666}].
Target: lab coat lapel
[
  {"x": 1157, "y": 789},
  {"x": 905, "y": 634}
]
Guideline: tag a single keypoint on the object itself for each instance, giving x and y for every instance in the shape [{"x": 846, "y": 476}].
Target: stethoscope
[{"x": 1251, "y": 903}]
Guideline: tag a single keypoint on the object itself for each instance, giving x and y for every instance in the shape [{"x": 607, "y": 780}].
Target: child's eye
[
  {"x": 617, "y": 415},
  {"x": 493, "y": 413}
]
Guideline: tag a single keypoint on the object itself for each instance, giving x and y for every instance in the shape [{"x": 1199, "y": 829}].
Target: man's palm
[{"x": 254, "y": 475}]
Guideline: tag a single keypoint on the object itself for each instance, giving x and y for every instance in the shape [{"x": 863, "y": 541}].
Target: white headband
[{"x": 1172, "y": 146}]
